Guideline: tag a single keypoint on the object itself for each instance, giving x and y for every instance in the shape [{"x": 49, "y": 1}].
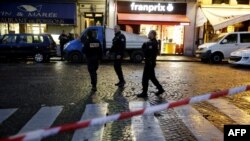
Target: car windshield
[{"x": 217, "y": 38}]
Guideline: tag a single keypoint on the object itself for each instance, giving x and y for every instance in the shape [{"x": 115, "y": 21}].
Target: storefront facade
[
  {"x": 37, "y": 17},
  {"x": 215, "y": 17},
  {"x": 173, "y": 21},
  {"x": 90, "y": 13}
]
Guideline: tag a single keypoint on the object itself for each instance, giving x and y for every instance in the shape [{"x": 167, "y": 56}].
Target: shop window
[
  {"x": 9, "y": 28},
  {"x": 13, "y": 28},
  {"x": 245, "y": 38},
  {"x": 220, "y": 1},
  {"x": 243, "y": 1},
  {"x": 36, "y": 28},
  {"x": 3, "y": 29}
]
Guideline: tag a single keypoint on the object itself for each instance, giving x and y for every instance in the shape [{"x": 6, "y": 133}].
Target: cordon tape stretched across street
[{"x": 43, "y": 133}]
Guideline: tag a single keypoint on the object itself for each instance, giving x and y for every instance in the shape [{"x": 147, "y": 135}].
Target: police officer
[
  {"x": 150, "y": 49},
  {"x": 93, "y": 51},
  {"x": 63, "y": 40},
  {"x": 118, "y": 48}
]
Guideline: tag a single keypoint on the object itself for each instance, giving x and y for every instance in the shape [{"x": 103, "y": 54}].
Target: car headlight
[
  {"x": 235, "y": 54},
  {"x": 203, "y": 49},
  {"x": 246, "y": 58}
]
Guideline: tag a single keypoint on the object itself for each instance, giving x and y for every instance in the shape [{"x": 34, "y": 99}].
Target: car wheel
[
  {"x": 137, "y": 56},
  {"x": 39, "y": 57},
  {"x": 75, "y": 57},
  {"x": 216, "y": 58}
]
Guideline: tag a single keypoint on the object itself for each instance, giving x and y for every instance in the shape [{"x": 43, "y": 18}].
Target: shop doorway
[
  {"x": 93, "y": 19},
  {"x": 171, "y": 37}
]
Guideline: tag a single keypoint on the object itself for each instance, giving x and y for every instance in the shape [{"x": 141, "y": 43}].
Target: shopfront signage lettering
[
  {"x": 26, "y": 20},
  {"x": 52, "y": 13},
  {"x": 177, "y": 8},
  {"x": 152, "y": 7},
  {"x": 30, "y": 12}
]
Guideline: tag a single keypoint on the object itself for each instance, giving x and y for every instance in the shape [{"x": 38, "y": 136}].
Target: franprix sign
[{"x": 151, "y": 7}]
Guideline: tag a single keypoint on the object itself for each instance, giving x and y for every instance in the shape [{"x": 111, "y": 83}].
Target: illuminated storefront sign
[
  {"x": 151, "y": 7},
  {"x": 48, "y": 13}
]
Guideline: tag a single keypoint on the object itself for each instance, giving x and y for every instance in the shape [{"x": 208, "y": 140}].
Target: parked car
[
  {"x": 39, "y": 46},
  {"x": 221, "y": 47},
  {"x": 73, "y": 49},
  {"x": 240, "y": 57}
]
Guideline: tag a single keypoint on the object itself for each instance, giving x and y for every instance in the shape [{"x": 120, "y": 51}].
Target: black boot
[
  {"x": 120, "y": 84},
  {"x": 93, "y": 89},
  {"x": 160, "y": 92},
  {"x": 117, "y": 84},
  {"x": 142, "y": 95}
]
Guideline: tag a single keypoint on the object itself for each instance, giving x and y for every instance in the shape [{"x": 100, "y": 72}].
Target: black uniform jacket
[
  {"x": 119, "y": 44},
  {"x": 150, "y": 50},
  {"x": 93, "y": 49}
]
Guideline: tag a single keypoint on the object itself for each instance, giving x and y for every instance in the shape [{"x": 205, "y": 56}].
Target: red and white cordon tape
[{"x": 43, "y": 133}]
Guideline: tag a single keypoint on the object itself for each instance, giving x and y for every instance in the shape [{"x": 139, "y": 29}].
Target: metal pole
[{"x": 106, "y": 12}]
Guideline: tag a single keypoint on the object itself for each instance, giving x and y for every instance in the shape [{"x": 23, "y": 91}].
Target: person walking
[
  {"x": 118, "y": 48},
  {"x": 93, "y": 51},
  {"x": 150, "y": 50},
  {"x": 70, "y": 36},
  {"x": 63, "y": 40}
]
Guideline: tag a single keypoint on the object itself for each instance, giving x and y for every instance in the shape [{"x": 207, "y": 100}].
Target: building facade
[
  {"x": 90, "y": 13},
  {"x": 38, "y": 16},
  {"x": 174, "y": 21},
  {"x": 215, "y": 17}
]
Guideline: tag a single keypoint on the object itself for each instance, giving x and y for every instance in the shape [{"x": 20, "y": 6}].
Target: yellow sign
[{"x": 230, "y": 28}]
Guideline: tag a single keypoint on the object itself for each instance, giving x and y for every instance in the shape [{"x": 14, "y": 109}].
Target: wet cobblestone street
[{"x": 29, "y": 86}]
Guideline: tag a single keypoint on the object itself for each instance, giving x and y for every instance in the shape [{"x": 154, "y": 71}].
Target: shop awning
[
  {"x": 200, "y": 18},
  {"x": 223, "y": 17},
  {"x": 124, "y": 18}
]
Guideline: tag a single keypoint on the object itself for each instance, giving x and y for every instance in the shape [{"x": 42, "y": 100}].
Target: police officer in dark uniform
[
  {"x": 118, "y": 48},
  {"x": 150, "y": 49},
  {"x": 93, "y": 51},
  {"x": 63, "y": 40}
]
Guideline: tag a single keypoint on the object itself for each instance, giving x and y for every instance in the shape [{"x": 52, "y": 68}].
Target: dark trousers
[
  {"x": 92, "y": 68},
  {"x": 61, "y": 50},
  {"x": 118, "y": 69},
  {"x": 149, "y": 74}
]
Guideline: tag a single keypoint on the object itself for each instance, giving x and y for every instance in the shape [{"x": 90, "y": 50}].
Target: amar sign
[{"x": 152, "y": 7}]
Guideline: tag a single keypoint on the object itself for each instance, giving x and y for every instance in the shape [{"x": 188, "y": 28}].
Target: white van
[{"x": 221, "y": 47}]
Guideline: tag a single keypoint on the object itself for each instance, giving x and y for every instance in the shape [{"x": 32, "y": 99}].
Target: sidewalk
[
  {"x": 178, "y": 59},
  {"x": 161, "y": 59}
]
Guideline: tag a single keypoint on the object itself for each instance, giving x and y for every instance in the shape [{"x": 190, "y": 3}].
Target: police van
[{"x": 73, "y": 50}]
